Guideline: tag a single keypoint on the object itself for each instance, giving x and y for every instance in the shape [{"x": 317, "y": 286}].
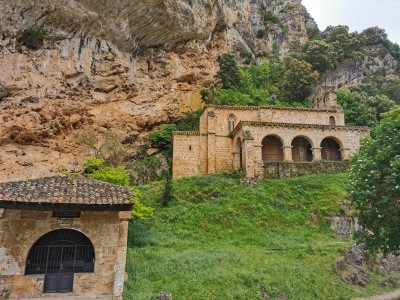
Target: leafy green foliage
[
  {"x": 190, "y": 121},
  {"x": 162, "y": 137},
  {"x": 361, "y": 109},
  {"x": 168, "y": 193},
  {"x": 145, "y": 170},
  {"x": 375, "y": 185},
  {"x": 273, "y": 82},
  {"x": 115, "y": 175},
  {"x": 231, "y": 241},
  {"x": 320, "y": 54},
  {"x": 229, "y": 71},
  {"x": 92, "y": 164},
  {"x": 96, "y": 169},
  {"x": 298, "y": 80}
]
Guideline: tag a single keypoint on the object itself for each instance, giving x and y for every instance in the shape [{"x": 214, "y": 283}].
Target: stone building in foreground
[
  {"x": 63, "y": 237},
  {"x": 242, "y": 137}
]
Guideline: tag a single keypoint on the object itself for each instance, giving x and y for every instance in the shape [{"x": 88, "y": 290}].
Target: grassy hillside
[{"x": 222, "y": 240}]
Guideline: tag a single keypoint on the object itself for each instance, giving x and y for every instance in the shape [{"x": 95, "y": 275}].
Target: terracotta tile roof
[{"x": 77, "y": 190}]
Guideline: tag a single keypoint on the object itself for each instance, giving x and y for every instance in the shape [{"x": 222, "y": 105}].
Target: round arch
[
  {"x": 272, "y": 148},
  {"x": 61, "y": 251},
  {"x": 330, "y": 149},
  {"x": 302, "y": 149}
]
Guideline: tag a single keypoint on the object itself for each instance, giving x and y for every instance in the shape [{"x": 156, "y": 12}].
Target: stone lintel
[{"x": 125, "y": 215}]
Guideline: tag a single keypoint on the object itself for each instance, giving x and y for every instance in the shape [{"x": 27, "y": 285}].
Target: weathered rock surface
[
  {"x": 355, "y": 262},
  {"x": 124, "y": 66}
]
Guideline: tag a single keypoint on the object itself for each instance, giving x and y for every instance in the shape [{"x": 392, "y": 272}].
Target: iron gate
[{"x": 59, "y": 254}]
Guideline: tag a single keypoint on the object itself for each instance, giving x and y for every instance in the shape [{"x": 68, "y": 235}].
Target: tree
[
  {"x": 375, "y": 186},
  {"x": 106, "y": 145},
  {"x": 320, "y": 55},
  {"x": 95, "y": 169},
  {"x": 298, "y": 79},
  {"x": 162, "y": 137},
  {"x": 228, "y": 72}
]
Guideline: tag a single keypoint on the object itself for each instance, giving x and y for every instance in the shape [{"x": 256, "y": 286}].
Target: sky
[{"x": 357, "y": 14}]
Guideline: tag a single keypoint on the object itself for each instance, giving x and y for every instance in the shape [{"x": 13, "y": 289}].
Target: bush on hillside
[{"x": 375, "y": 185}]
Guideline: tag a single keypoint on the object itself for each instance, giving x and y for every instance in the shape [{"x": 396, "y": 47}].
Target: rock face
[
  {"x": 355, "y": 262},
  {"x": 124, "y": 65}
]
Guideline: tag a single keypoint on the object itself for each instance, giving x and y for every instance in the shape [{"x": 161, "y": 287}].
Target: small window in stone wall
[
  {"x": 231, "y": 123},
  {"x": 190, "y": 148},
  {"x": 332, "y": 121}
]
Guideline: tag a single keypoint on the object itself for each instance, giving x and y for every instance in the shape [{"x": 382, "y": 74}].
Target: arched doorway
[
  {"x": 272, "y": 149},
  {"x": 330, "y": 150},
  {"x": 301, "y": 150},
  {"x": 238, "y": 155},
  {"x": 59, "y": 254}
]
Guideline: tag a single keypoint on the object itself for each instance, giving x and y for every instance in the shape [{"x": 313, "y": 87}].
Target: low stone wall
[{"x": 279, "y": 170}]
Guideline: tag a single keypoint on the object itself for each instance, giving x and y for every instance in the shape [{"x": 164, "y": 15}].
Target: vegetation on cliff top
[
  {"x": 218, "y": 239},
  {"x": 290, "y": 82}
]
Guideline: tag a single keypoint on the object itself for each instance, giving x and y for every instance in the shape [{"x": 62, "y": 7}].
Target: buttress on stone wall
[
  {"x": 243, "y": 137},
  {"x": 20, "y": 229}
]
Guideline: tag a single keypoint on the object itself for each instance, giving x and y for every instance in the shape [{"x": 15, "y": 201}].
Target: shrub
[{"x": 375, "y": 185}]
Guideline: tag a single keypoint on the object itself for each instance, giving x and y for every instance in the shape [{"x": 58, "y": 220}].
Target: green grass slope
[{"x": 222, "y": 240}]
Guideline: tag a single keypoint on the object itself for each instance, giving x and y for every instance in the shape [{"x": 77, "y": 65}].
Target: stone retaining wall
[{"x": 279, "y": 170}]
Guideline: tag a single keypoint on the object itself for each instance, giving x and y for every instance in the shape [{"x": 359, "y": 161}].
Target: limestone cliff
[{"x": 122, "y": 65}]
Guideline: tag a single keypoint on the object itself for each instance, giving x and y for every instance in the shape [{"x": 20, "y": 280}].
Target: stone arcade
[
  {"x": 243, "y": 137},
  {"x": 63, "y": 236}
]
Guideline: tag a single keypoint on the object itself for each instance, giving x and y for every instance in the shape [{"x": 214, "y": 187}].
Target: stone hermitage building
[
  {"x": 245, "y": 137},
  {"x": 63, "y": 237}
]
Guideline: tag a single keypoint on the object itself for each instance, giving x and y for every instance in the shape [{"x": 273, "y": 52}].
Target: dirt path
[{"x": 389, "y": 296}]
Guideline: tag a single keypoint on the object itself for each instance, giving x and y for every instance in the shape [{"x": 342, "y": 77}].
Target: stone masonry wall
[
  {"x": 266, "y": 114},
  {"x": 279, "y": 170},
  {"x": 214, "y": 149},
  {"x": 186, "y": 156},
  {"x": 19, "y": 230}
]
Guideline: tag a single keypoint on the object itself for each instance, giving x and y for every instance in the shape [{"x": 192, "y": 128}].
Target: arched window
[
  {"x": 231, "y": 123},
  {"x": 62, "y": 249},
  {"x": 332, "y": 121},
  {"x": 272, "y": 149},
  {"x": 301, "y": 150},
  {"x": 330, "y": 150},
  {"x": 59, "y": 254}
]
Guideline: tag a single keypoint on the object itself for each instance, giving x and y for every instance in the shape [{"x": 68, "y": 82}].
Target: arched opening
[
  {"x": 272, "y": 149},
  {"x": 59, "y": 254},
  {"x": 231, "y": 123},
  {"x": 332, "y": 121},
  {"x": 301, "y": 150},
  {"x": 238, "y": 155},
  {"x": 330, "y": 150}
]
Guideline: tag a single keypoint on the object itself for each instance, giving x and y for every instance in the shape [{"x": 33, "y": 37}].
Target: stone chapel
[{"x": 246, "y": 138}]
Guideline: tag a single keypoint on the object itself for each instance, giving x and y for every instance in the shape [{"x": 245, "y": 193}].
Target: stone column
[
  {"x": 287, "y": 153},
  {"x": 211, "y": 143},
  {"x": 120, "y": 263},
  {"x": 317, "y": 154},
  {"x": 345, "y": 152},
  {"x": 248, "y": 159},
  {"x": 258, "y": 162}
]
